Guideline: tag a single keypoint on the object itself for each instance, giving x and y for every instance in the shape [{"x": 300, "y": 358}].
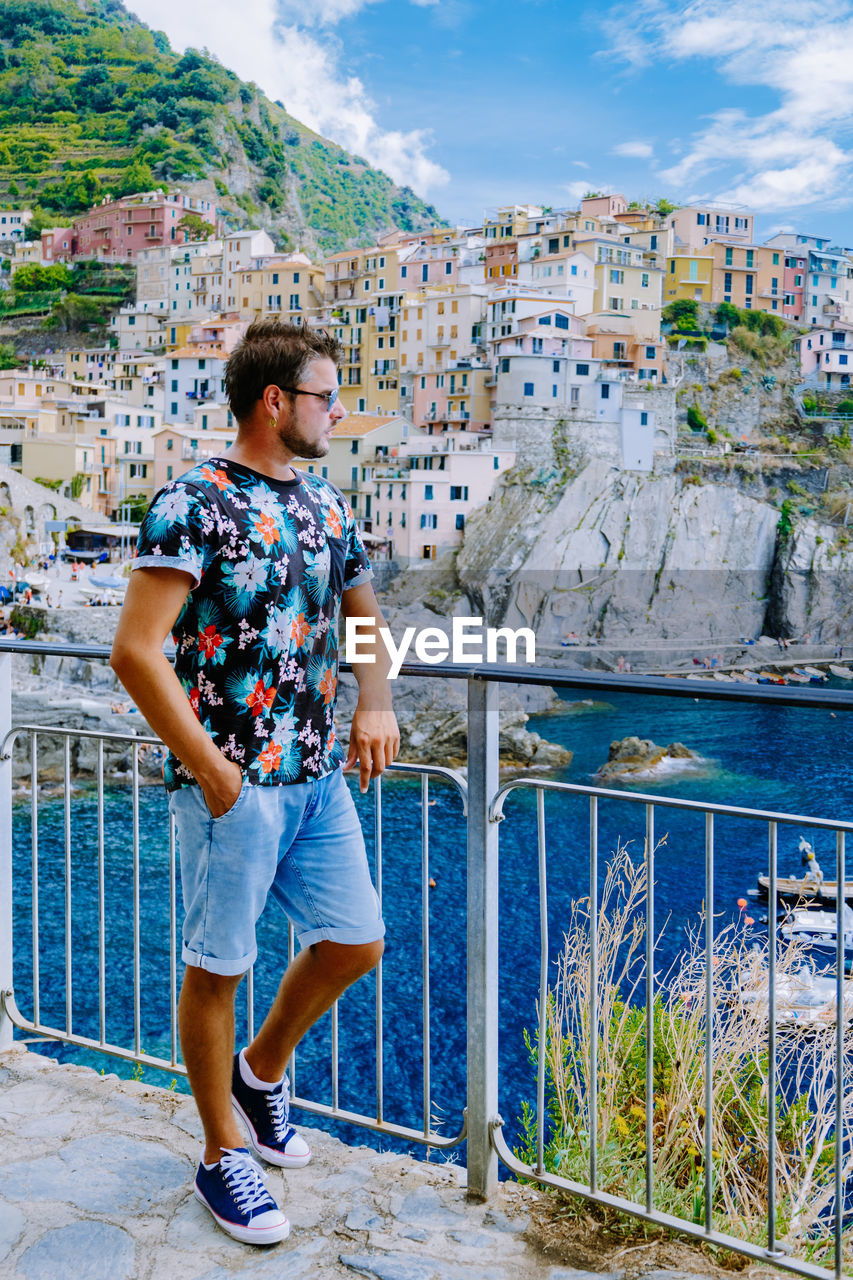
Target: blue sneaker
[
  {"x": 234, "y": 1192},
  {"x": 265, "y": 1115}
]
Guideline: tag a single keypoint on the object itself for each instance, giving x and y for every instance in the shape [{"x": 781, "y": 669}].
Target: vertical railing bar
[
  {"x": 650, "y": 1002},
  {"x": 137, "y": 980},
  {"x": 7, "y": 871},
  {"x": 380, "y": 1030},
  {"x": 425, "y": 1013},
  {"x": 483, "y": 930},
  {"x": 772, "y": 833},
  {"x": 291, "y": 952},
  {"x": 541, "y": 1054},
  {"x": 69, "y": 993},
  {"x": 593, "y": 993},
  {"x": 840, "y": 1021},
  {"x": 250, "y": 1005},
  {"x": 335, "y": 1057},
  {"x": 34, "y": 837},
  {"x": 173, "y": 942},
  {"x": 709, "y": 1020},
  {"x": 102, "y": 907}
]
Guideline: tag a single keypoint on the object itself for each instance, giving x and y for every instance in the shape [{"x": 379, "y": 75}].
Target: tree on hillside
[
  {"x": 32, "y": 277},
  {"x": 664, "y": 207},
  {"x": 194, "y": 227},
  {"x": 8, "y": 356}
]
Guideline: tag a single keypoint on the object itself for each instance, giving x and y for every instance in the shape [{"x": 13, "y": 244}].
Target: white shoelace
[
  {"x": 245, "y": 1182},
  {"x": 279, "y": 1105}
]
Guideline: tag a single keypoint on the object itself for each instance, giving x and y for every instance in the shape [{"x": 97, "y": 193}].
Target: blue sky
[{"x": 476, "y": 104}]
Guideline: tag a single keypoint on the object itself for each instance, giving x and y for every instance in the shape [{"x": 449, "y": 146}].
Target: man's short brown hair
[{"x": 273, "y": 353}]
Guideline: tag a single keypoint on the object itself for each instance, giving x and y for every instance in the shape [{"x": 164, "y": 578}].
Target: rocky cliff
[{"x": 614, "y": 555}]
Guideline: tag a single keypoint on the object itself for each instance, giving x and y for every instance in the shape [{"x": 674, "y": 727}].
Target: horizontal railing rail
[{"x": 484, "y": 799}]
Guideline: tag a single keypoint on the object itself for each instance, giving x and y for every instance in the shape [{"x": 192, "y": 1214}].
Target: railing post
[
  {"x": 482, "y": 937},
  {"x": 5, "y": 849}
]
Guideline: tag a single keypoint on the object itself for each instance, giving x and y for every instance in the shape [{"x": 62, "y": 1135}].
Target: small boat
[
  {"x": 843, "y": 673},
  {"x": 798, "y": 887},
  {"x": 802, "y": 999},
  {"x": 812, "y": 672},
  {"x": 770, "y": 677},
  {"x": 818, "y": 928},
  {"x": 723, "y": 677},
  {"x": 798, "y": 677}
]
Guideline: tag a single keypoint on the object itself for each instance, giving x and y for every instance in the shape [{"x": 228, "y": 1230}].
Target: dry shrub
[{"x": 737, "y": 1020}]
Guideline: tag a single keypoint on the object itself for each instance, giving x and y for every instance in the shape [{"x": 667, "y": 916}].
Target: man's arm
[
  {"x": 153, "y": 601},
  {"x": 374, "y": 738}
]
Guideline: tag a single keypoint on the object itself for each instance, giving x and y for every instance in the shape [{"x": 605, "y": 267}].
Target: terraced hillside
[{"x": 92, "y": 102}]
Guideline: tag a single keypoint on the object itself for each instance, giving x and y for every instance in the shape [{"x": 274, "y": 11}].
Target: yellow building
[
  {"x": 66, "y": 458},
  {"x": 689, "y": 275}
]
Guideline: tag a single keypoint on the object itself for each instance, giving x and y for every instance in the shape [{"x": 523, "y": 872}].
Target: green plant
[
  {"x": 29, "y": 622},
  {"x": 696, "y": 419},
  {"x": 785, "y": 525},
  {"x": 711, "y": 435},
  {"x": 797, "y": 489},
  {"x": 55, "y": 485}
]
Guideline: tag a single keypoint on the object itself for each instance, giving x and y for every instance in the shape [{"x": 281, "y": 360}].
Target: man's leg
[
  {"x": 312, "y": 983},
  {"x": 206, "y": 1025}
]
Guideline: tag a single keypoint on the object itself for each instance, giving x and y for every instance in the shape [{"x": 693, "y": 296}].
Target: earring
[{"x": 272, "y": 422}]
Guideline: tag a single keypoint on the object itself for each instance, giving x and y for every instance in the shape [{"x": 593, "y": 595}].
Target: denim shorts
[{"x": 301, "y": 843}]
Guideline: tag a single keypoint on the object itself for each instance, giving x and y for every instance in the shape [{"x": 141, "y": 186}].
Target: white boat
[
  {"x": 843, "y": 673},
  {"x": 814, "y": 673},
  {"x": 802, "y": 999},
  {"x": 724, "y": 677},
  {"x": 818, "y": 928}
]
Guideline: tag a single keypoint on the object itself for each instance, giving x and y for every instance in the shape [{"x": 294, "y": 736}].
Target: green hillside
[{"x": 92, "y": 103}]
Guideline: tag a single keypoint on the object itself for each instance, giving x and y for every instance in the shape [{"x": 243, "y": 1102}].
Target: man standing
[{"x": 249, "y": 563}]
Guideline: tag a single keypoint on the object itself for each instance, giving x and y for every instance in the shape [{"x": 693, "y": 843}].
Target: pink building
[
  {"x": 119, "y": 229},
  {"x": 56, "y": 244},
  {"x": 794, "y": 280}
]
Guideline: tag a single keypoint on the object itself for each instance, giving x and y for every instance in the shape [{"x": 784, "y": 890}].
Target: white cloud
[
  {"x": 577, "y": 190},
  {"x": 635, "y": 150},
  {"x": 791, "y": 156},
  {"x": 306, "y": 73}
]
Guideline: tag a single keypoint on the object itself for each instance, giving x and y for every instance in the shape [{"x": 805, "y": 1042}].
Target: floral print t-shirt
[{"x": 257, "y": 638}]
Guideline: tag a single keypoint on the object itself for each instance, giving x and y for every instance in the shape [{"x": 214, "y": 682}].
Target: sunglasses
[{"x": 330, "y": 397}]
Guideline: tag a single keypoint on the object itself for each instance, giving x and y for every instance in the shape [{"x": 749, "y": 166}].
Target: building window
[
  {"x": 582, "y": 370},
  {"x": 727, "y": 282},
  {"x": 605, "y": 392},
  {"x": 459, "y": 493},
  {"x": 555, "y": 366},
  {"x": 729, "y": 257},
  {"x": 528, "y": 388},
  {"x": 644, "y": 419},
  {"x": 429, "y": 521},
  {"x": 575, "y": 395},
  {"x": 427, "y": 494},
  {"x": 749, "y": 283},
  {"x": 650, "y": 353},
  {"x": 460, "y": 520}
]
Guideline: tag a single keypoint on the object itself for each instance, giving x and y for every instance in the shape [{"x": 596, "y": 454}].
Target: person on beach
[{"x": 249, "y": 563}]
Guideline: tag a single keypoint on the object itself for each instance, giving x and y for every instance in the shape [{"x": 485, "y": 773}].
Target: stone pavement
[{"x": 95, "y": 1184}]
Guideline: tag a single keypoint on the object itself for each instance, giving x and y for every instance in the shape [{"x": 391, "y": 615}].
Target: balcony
[{"x": 95, "y": 882}]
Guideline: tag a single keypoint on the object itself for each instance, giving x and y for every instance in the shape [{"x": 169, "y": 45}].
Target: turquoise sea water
[{"x": 761, "y": 757}]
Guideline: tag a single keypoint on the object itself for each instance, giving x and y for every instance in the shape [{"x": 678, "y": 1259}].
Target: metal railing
[{"x": 484, "y": 798}]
